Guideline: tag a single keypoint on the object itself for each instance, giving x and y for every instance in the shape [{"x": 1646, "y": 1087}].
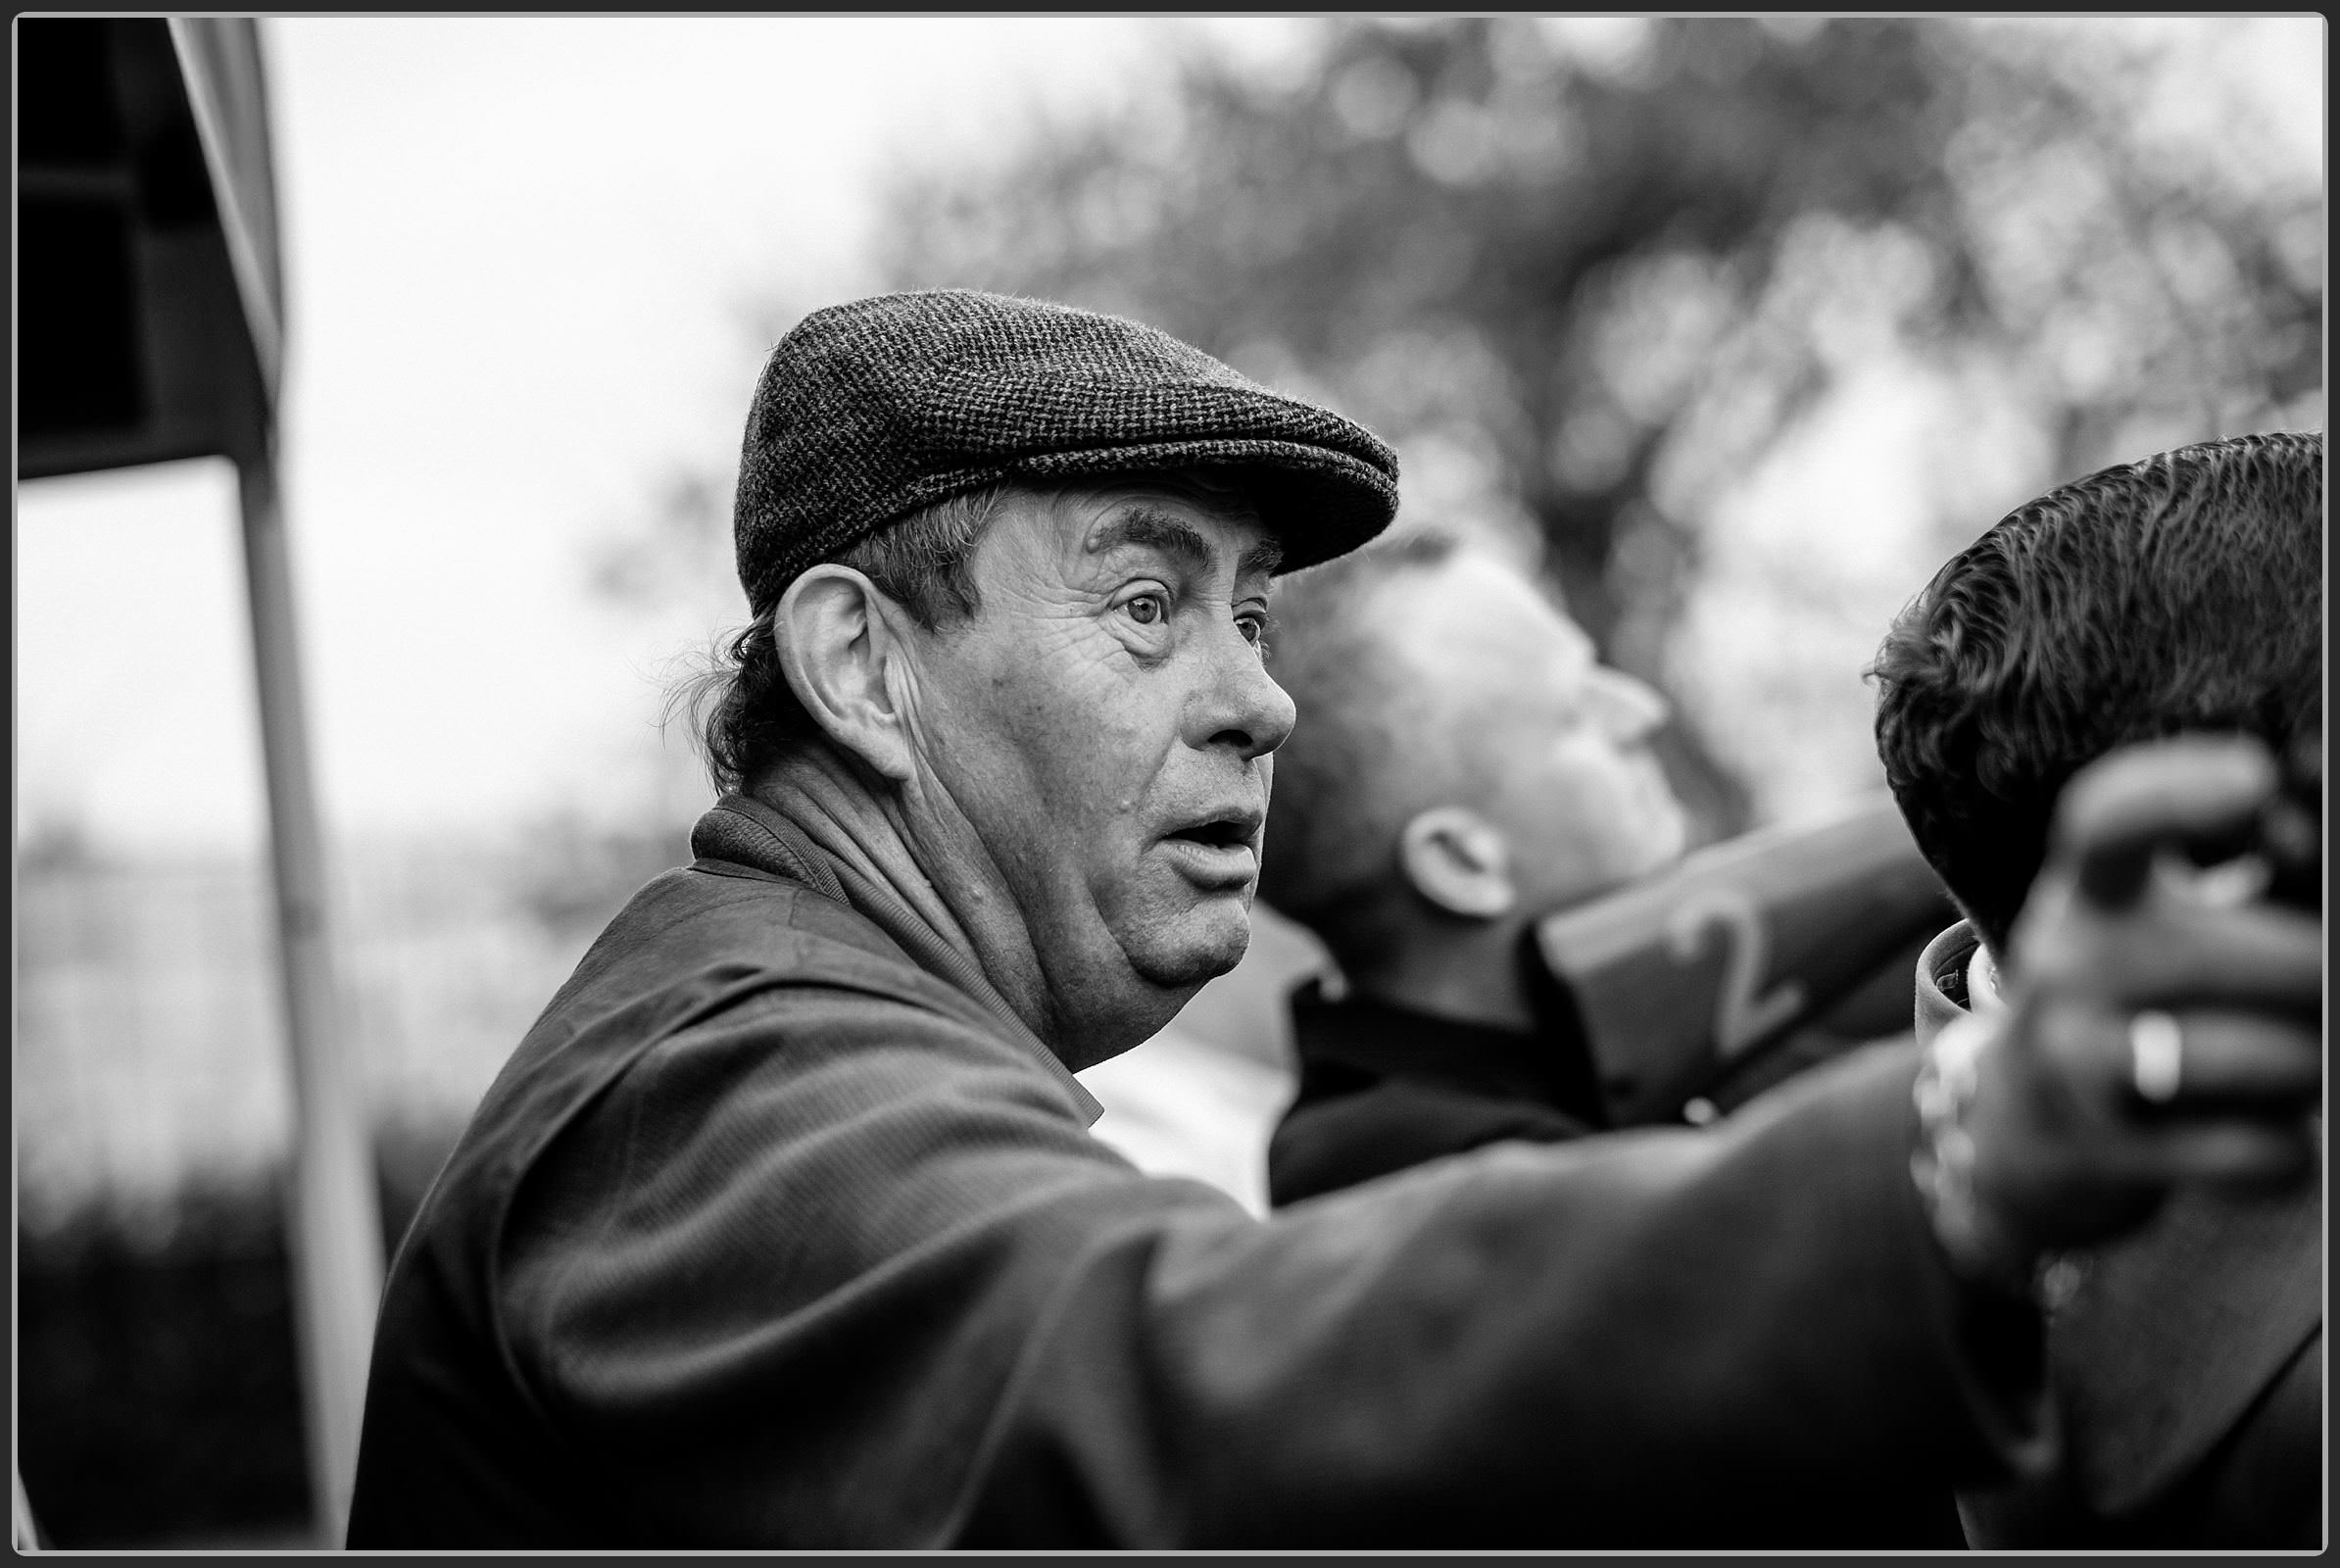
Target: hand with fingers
[{"x": 2163, "y": 1022}]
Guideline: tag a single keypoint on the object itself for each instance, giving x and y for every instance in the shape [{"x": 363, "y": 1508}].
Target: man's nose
[
  {"x": 1628, "y": 709},
  {"x": 1241, "y": 704}
]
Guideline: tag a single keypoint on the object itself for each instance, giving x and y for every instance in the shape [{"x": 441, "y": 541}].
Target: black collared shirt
[{"x": 1383, "y": 1088}]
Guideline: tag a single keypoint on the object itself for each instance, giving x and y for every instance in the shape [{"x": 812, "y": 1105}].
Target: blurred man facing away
[
  {"x": 1465, "y": 766},
  {"x": 784, "y": 1228}
]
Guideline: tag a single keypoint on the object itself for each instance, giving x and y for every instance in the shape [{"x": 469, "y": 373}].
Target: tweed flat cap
[{"x": 871, "y": 410}]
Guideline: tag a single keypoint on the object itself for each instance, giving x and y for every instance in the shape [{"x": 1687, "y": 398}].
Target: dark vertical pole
[{"x": 336, "y": 1226}]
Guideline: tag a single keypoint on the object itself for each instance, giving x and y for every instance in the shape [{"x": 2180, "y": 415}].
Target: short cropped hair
[
  {"x": 1333, "y": 816},
  {"x": 2184, "y": 592},
  {"x": 741, "y": 706}
]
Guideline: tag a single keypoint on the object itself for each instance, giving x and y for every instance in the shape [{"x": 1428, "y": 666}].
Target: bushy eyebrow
[{"x": 1174, "y": 536}]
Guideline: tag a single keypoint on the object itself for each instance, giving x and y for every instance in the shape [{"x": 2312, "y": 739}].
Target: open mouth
[
  {"x": 1221, "y": 833},
  {"x": 1216, "y": 854}
]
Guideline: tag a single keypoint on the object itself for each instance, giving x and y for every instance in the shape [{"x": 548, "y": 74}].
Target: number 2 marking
[{"x": 1741, "y": 1017}]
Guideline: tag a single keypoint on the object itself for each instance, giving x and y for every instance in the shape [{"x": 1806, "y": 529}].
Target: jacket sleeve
[{"x": 838, "y": 1270}]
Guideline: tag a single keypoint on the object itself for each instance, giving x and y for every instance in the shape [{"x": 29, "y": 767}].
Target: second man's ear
[
  {"x": 1459, "y": 861},
  {"x": 838, "y": 652}
]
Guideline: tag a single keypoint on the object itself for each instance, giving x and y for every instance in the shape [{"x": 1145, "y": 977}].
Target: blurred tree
[
  {"x": 1587, "y": 272},
  {"x": 1593, "y": 274}
]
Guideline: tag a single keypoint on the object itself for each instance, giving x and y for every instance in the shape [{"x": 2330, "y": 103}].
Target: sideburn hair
[{"x": 739, "y": 703}]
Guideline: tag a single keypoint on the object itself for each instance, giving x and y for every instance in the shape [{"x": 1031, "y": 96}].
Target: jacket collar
[
  {"x": 1942, "y": 980},
  {"x": 745, "y": 831}
]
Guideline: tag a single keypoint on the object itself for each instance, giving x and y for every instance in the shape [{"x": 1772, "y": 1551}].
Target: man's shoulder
[
  {"x": 2175, "y": 1335},
  {"x": 715, "y": 996},
  {"x": 730, "y": 967}
]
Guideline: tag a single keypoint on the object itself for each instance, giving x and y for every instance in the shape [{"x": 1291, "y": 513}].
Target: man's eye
[
  {"x": 1253, "y": 628},
  {"x": 1147, "y": 609}
]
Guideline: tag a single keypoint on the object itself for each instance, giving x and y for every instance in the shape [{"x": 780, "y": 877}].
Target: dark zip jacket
[{"x": 780, "y": 1231}]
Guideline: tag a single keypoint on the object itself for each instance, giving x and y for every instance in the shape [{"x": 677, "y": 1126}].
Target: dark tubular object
[{"x": 1680, "y": 981}]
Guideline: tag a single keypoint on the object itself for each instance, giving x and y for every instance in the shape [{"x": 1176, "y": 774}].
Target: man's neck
[
  {"x": 1467, "y": 973},
  {"x": 913, "y": 847}
]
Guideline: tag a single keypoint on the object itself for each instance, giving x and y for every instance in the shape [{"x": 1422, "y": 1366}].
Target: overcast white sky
[{"x": 519, "y": 253}]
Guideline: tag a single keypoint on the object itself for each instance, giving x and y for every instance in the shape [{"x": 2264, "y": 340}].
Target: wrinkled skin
[{"x": 1096, "y": 738}]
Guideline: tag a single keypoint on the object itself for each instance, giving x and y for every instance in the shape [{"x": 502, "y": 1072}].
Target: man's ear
[
  {"x": 841, "y": 659},
  {"x": 1459, "y": 861}
]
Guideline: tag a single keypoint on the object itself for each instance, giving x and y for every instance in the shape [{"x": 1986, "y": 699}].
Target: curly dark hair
[{"x": 2184, "y": 592}]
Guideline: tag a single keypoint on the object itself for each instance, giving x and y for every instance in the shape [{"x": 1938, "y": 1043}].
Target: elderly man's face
[
  {"x": 1549, "y": 744},
  {"x": 1104, "y": 722}
]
